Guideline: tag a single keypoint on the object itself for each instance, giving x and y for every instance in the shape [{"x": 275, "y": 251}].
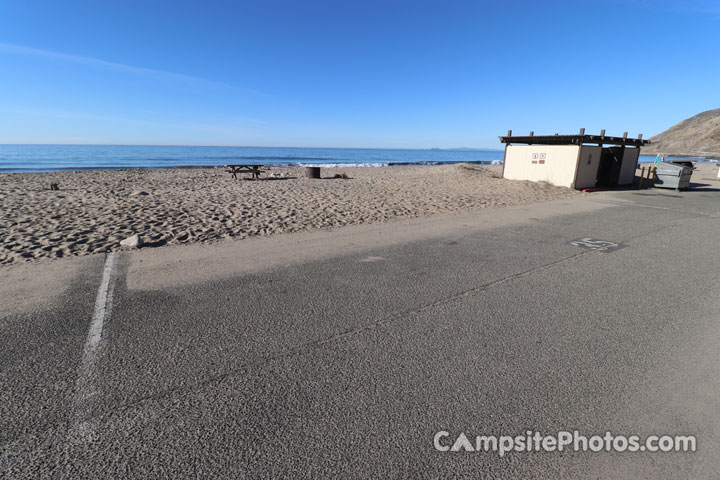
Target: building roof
[{"x": 574, "y": 140}]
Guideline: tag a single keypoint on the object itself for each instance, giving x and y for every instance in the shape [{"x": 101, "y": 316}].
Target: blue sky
[{"x": 386, "y": 74}]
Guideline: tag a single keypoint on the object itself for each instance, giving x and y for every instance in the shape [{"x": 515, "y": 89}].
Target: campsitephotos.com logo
[{"x": 565, "y": 440}]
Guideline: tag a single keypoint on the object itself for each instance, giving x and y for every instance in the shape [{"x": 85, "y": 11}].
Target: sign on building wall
[{"x": 539, "y": 158}]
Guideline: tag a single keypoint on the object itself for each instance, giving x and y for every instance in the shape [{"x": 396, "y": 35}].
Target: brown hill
[{"x": 697, "y": 136}]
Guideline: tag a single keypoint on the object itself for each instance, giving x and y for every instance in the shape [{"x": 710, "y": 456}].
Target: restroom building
[{"x": 575, "y": 161}]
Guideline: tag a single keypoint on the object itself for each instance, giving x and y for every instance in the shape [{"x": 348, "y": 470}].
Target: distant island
[{"x": 698, "y": 136}]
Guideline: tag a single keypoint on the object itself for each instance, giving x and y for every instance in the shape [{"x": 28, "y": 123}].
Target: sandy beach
[{"x": 94, "y": 210}]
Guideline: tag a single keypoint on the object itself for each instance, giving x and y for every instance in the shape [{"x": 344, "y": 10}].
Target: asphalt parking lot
[{"x": 600, "y": 316}]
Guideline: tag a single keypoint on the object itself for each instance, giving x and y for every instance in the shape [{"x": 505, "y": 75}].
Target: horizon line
[{"x": 243, "y": 146}]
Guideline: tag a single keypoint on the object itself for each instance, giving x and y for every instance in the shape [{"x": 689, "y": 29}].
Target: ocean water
[
  {"x": 44, "y": 158},
  {"x": 48, "y": 158}
]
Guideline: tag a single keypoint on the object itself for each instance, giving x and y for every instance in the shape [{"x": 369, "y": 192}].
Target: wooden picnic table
[{"x": 254, "y": 170}]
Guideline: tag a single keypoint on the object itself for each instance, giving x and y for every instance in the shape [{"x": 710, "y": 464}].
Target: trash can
[
  {"x": 673, "y": 175},
  {"x": 312, "y": 172}
]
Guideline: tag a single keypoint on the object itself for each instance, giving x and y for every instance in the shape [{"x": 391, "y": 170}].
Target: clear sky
[{"x": 388, "y": 74}]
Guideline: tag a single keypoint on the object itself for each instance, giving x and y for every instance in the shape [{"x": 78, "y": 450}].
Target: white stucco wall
[
  {"x": 523, "y": 162},
  {"x": 588, "y": 166},
  {"x": 629, "y": 165}
]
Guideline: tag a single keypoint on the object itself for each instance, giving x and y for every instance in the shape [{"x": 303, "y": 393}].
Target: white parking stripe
[
  {"x": 102, "y": 308},
  {"x": 84, "y": 387}
]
